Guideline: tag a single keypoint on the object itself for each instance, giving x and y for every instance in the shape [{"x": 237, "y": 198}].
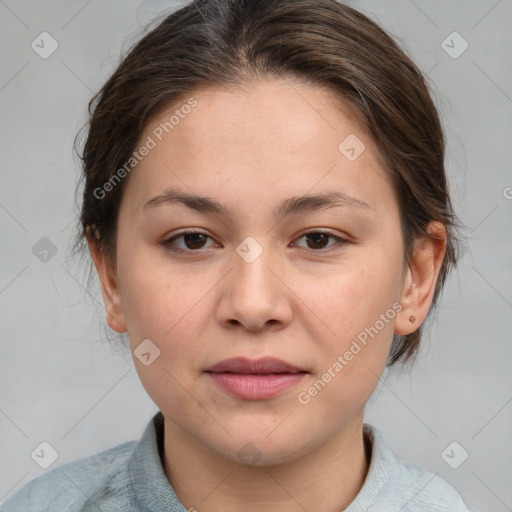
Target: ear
[
  {"x": 109, "y": 283},
  {"x": 421, "y": 278}
]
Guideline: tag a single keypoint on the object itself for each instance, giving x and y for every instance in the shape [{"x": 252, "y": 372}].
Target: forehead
[
  {"x": 281, "y": 134},
  {"x": 284, "y": 111}
]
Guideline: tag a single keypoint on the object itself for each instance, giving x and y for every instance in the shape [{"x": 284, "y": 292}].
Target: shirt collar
[
  {"x": 152, "y": 489},
  {"x": 382, "y": 462},
  {"x": 154, "y": 492}
]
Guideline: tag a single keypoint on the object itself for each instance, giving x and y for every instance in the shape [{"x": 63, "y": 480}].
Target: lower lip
[{"x": 256, "y": 386}]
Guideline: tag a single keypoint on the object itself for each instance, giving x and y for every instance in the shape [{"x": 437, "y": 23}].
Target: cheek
[
  {"x": 360, "y": 306},
  {"x": 168, "y": 305},
  {"x": 361, "y": 293},
  {"x": 164, "y": 307},
  {"x": 153, "y": 298}
]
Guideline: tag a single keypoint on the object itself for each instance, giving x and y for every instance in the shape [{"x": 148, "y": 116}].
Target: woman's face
[{"x": 251, "y": 282}]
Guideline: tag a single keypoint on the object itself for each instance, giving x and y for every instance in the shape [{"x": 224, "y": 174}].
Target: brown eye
[
  {"x": 192, "y": 241},
  {"x": 317, "y": 240}
]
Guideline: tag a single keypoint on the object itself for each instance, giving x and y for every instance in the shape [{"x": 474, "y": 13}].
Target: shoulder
[
  {"x": 393, "y": 484},
  {"x": 77, "y": 485},
  {"x": 423, "y": 490}
]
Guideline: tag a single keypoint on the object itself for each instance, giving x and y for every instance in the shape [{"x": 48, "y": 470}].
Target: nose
[{"x": 254, "y": 293}]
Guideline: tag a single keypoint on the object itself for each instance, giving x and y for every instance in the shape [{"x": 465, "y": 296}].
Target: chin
[{"x": 259, "y": 449}]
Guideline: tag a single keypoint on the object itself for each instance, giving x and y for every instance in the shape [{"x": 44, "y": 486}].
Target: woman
[{"x": 266, "y": 205}]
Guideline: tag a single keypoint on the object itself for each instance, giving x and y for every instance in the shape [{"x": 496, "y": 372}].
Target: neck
[{"x": 327, "y": 478}]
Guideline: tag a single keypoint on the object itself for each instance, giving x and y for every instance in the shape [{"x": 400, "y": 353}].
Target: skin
[{"x": 300, "y": 301}]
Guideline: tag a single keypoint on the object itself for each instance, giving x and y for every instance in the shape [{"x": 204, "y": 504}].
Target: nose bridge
[
  {"x": 251, "y": 267},
  {"x": 255, "y": 295}
]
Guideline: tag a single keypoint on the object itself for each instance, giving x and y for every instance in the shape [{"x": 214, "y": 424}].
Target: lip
[
  {"x": 255, "y": 379},
  {"x": 244, "y": 365}
]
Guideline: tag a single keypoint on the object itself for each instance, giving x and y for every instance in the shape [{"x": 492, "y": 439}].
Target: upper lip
[{"x": 244, "y": 365}]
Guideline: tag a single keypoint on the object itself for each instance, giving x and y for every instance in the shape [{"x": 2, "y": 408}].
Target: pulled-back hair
[{"x": 236, "y": 42}]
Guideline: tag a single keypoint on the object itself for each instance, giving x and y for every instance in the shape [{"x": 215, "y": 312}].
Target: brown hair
[{"x": 234, "y": 42}]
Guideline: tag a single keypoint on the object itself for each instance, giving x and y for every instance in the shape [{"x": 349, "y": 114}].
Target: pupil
[
  {"x": 317, "y": 237},
  {"x": 193, "y": 238}
]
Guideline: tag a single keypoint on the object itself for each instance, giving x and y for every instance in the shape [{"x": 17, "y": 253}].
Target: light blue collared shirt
[{"x": 131, "y": 478}]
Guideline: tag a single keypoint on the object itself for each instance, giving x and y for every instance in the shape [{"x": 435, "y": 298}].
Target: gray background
[{"x": 61, "y": 381}]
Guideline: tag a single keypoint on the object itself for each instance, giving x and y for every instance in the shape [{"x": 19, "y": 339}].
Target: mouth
[
  {"x": 255, "y": 379},
  {"x": 263, "y": 366}
]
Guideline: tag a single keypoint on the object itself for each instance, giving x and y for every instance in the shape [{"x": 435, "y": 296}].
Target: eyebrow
[{"x": 290, "y": 206}]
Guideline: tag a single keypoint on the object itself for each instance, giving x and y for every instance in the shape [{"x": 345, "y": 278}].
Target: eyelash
[{"x": 168, "y": 243}]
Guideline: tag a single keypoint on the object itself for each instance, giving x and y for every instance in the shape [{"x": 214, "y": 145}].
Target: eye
[
  {"x": 193, "y": 240},
  {"x": 318, "y": 239}
]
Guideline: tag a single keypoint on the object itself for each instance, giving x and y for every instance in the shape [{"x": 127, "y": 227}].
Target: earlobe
[
  {"x": 109, "y": 285},
  {"x": 421, "y": 278}
]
